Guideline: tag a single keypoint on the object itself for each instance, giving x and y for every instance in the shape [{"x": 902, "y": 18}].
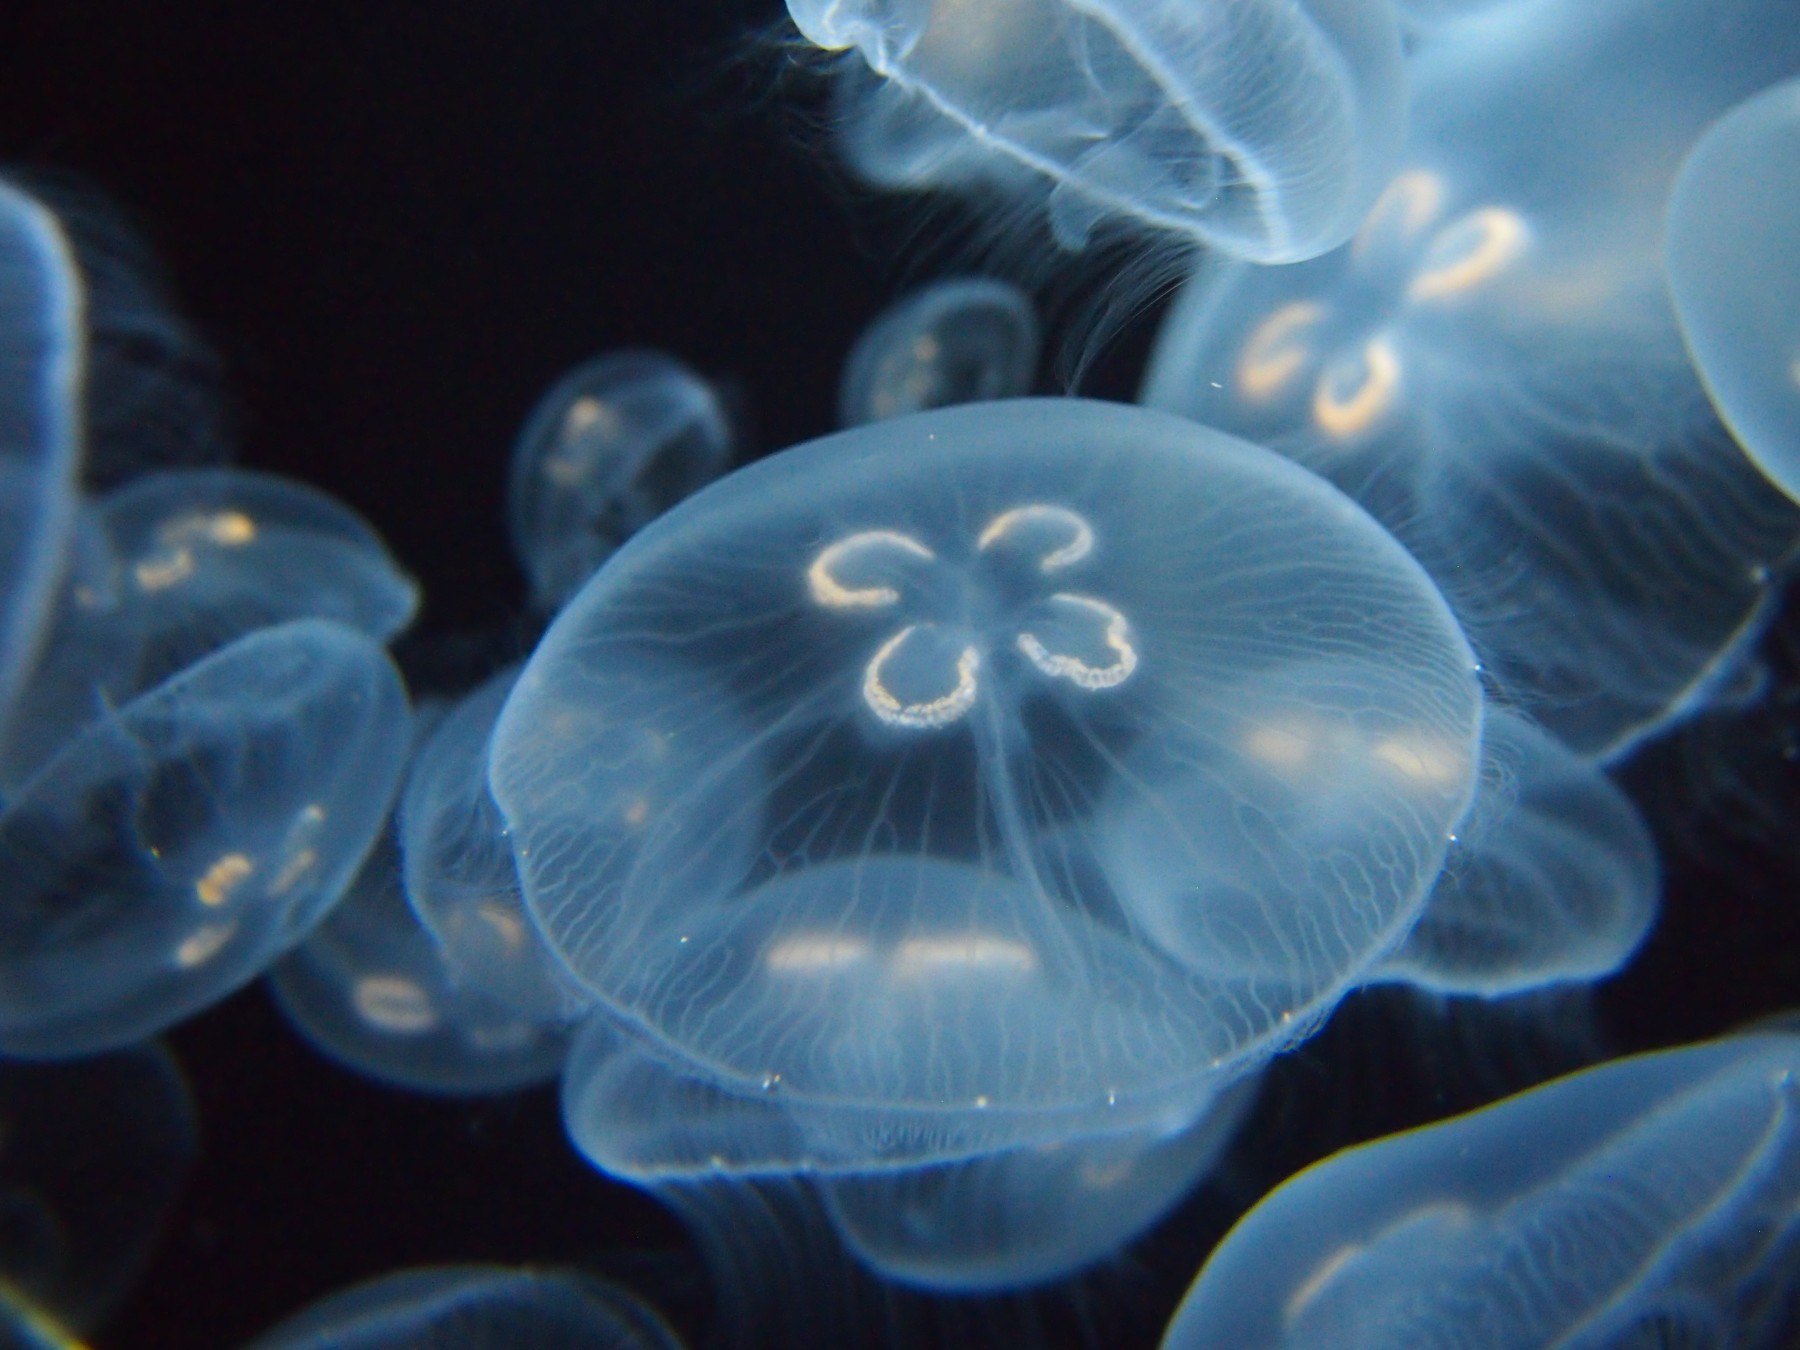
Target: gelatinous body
[
  {"x": 1734, "y": 269},
  {"x": 173, "y": 849},
  {"x": 1647, "y": 1202},
  {"x": 1116, "y": 745},
  {"x": 1262, "y": 129},
  {"x": 613, "y": 445},
  {"x": 1492, "y": 365},
  {"x": 967, "y": 340}
]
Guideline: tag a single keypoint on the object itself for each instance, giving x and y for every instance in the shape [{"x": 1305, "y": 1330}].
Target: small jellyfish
[
  {"x": 177, "y": 564},
  {"x": 459, "y": 874},
  {"x": 370, "y": 989},
  {"x": 966, "y": 340},
  {"x": 1734, "y": 269},
  {"x": 614, "y": 444},
  {"x": 1553, "y": 877},
  {"x": 1492, "y": 366},
  {"x": 42, "y": 347},
  {"x": 474, "y": 1308},
  {"x": 175, "y": 847},
  {"x": 1261, "y": 129},
  {"x": 873, "y": 787},
  {"x": 1653, "y": 1201}
]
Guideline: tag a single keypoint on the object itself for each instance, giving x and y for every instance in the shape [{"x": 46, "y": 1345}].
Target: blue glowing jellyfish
[
  {"x": 614, "y": 444},
  {"x": 474, "y": 1308},
  {"x": 1653, "y": 1201},
  {"x": 1734, "y": 268},
  {"x": 1492, "y": 365},
  {"x": 174, "y": 848},
  {"x": 1553, "y": 877},
  {"x": 980, "y": 779},
  {"x": 966, "y": 340},
  {"x": 1261, "y": 129}
]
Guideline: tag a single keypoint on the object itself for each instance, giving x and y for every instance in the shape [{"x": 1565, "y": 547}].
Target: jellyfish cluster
[{"x": 916, "y": 852}]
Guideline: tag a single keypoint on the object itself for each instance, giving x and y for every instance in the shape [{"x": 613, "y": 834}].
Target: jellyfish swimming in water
[{"x": 1262, "y": 129}]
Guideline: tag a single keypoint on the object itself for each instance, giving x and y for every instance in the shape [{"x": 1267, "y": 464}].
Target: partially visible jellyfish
[
  {"x": 1653, "y": 1201},
  {"x": 474, "y": 1308},
  {"x": 1553, "y": 877},
  {"x": 614, "y": 444},
  {"x": 369, "y": 988},
  {"x": 459, "y": 875},
  {"x": 92, "y": 1157},
  {"x": 1493, "y": 368},
  {"x": 41, "y": 362},
  {"x": 1261, "y": 129},
  {"x": 175, "y": 565},
  {"x": 965, "y": 340},
  {"x": 1734, "y": 269},
  {"x": 176, "y": 846},
  {"x": 982, "y": 779}
]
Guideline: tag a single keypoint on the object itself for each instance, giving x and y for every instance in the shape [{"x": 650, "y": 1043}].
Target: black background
[{"x": 399, "y": 222}]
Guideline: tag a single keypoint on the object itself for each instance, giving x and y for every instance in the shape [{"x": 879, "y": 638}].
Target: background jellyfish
[
  {"x": 1493, "y": 368},
  {"x": 1263, "y": 130},
  {"x": 615, "y": 443},
  {"x": 1731, "y": 243},
  {"x": 950, "y": 722},
  {"x": 1645, "y": 1202},
  {"x": 965, "y": 340}
]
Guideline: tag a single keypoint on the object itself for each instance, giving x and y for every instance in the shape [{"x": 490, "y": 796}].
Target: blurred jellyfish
[
  {"x": 1553, "y": 876},
  {"x": 876, "y": 788},
  {"x": 369, "y": 988},
  {"x": 1262, "y": 129},
  {"x": 176, "y": 565},
  {"x": 41, "y": 363},
  {"x": 966, "y": 340},
  {"x": 1654, "y": 1201},
  {"x": 459, "y": 874},
  {"x": 613, "y": 445},
  {"x": 178, "y": 845},
  {"x": 92, "y": 1156},
  {"x": 1734, "y": 269},
  {"x": 1492, "y": 365},
  {"x": 474, "y": 1308}
]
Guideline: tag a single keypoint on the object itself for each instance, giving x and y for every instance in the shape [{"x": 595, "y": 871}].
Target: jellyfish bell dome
[
  {"x": 1263, "y": 129},
  {"x": 978, "y": 777}
]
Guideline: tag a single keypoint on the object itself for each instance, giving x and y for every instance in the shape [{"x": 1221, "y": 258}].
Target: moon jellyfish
[
  {"x": 459, "y": 873},
  {"x": 92, "y": 1156},
  {"x": 175, "y": 565},
  {"x": 613, "y": 445},
  {"x": 41, "y": 352},
  {"x": 966, "y": 340},
  {"x": 369, "y": 989},
  {"x": 1261, "y": 129},
  {"x": 1492, "y": 366},
  {"x": 1552, "y": 878},
  {"x": 1734, "y": 233},
  {"x": 474, "y": 1308},
  {"x": 175, "y": 847},
  {"x": 1652, "y": 1201},
  {"x": 981, "y": 779}
]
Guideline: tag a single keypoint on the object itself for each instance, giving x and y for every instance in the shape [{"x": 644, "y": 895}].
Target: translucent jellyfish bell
[
  {"x": 1492, "y": 366},
  {"x": 1262, "y": 129},
  {"x": 174, "y": 848},
  {"x": 613, "y": 445},
  {"x": 844, "y": 753},
  {"x": 1734, "y": 268},
  {"x": 477, "y": 1308},
  {"x": 1553, "y": 877},
  {"x": 1648, "y": 1202},
  {"x": 41, "y": 360},
  {"x": 965, "y": 340}
]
